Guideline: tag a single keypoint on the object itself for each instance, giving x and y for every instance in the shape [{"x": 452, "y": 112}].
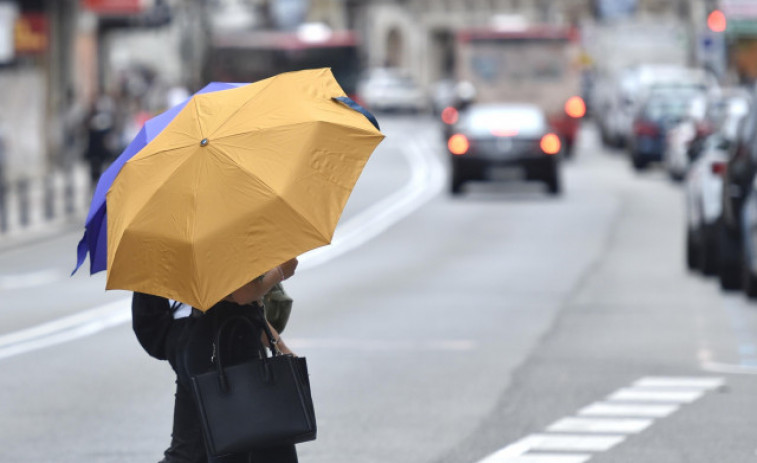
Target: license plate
[{"x": 500, "y": 173}]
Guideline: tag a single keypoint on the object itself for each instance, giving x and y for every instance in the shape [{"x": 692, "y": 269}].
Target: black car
[
  {"x": 738, "y": 176},
  {"x": 489, "y": 138}
]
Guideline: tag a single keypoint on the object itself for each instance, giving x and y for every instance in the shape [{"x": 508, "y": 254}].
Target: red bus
[
  {"x": 249, "y": 56},
  {"x": 537, "y": 64}
]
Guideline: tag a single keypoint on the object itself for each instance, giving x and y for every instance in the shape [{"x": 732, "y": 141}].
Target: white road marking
[
  {"x": 31, "y": 279},
  {"x": 600, "y": 425},
  {"x": 426, "y": 181},
  {"x": 717, "y": 367},
  {"x": 635, "y": 410},
  {"x": 519, "y": 449},
  {"x": 652, "y": 395},
  {"x": 66, "y": 328},
  {"x": 592, "y": 431},
  {"x": 683, "y": 383},
  {"x": 544, "y": 458},
  {"x": 572, "y": 442}
]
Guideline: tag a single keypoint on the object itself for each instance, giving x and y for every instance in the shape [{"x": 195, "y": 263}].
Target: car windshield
[
  {"x": 502, "y": 120},
  {"x": 667, "y": 108}
]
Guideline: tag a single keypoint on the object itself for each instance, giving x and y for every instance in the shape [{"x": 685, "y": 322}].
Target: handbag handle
[{"x": 217, "y": 350}]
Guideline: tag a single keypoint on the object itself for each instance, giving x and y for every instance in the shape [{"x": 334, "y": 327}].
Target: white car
[
  {"x": 679, "y": 138},
  {"x": 633, "y": 87},
  {"x": 387, "y": 89},
  {"x": 704, "y": 187}
]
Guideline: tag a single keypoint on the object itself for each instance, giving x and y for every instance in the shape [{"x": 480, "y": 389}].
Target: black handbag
[{"x": 261, "y": 402}]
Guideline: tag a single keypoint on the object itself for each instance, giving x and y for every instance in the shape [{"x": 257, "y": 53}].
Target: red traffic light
[{"x": 716, "y": 21}]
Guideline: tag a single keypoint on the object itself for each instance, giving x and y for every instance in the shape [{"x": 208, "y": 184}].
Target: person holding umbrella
[
  {"x": 237, "y": 182},
  {"x": 188, "y": 349}
]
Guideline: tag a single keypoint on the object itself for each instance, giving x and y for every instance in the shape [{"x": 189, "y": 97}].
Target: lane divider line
[
  {"x": 718, "y": 367},
  {"x": 602, "y": 425},
  {"x": 31, "y": 279},
  {"x": 426, "y": 180},
  {"x": 66, "y": 329}
]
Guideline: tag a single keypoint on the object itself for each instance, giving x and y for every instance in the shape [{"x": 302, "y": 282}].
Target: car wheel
[
  {"x": 692, "y": 251},
  {"x": 456, "y": 185},
  {"x": 749, "y": 282},
  {"x": 708, "y": 252},
  {"x": 554, "y": 186},
  {"x": 729, "y": 268},
  {"x": 676, "y": 176},
  {"x": 638, "y": 163}
]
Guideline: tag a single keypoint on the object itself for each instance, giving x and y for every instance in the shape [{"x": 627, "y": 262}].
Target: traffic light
[{"x": 716, "y": 21}]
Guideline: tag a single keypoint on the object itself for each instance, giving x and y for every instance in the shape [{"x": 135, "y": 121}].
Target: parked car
[
  {"x": 684, "y": 139},
  {"x": 665, "y": 107},
  {"x": 749, "y": 243},
  {"x": 490, "y": 137},
  {"x": 738, "y": 176},
  {"x": 620, "y": 95},
  {"x": 704, "y": 183},
  {"x": 390, "y": 89}
]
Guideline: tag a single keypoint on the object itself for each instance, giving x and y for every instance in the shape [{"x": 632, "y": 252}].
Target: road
[{"x": 501, "y": 326}]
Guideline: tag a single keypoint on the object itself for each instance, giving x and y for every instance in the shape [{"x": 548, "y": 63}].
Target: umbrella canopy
[
  {"x": 94, "y": 240},
  {"x": 238, "y": 182}
]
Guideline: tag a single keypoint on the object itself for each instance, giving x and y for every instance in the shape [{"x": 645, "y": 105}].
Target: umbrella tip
[{"x": 204, "y": 142}]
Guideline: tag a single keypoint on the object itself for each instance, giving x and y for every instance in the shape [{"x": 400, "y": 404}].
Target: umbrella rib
[
  {"x": 296, "y": 211},
  {"x": 199, "y": 119},
  {"x": 173, "y": 148},
  {"x": 240, "y": 107}
]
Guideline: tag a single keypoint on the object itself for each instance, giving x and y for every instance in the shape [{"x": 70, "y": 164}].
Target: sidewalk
[{"x": 37, "y": 206}]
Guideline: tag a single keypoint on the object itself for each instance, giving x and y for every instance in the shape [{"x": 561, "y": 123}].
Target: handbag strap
[{"x": 217, "y": 344}]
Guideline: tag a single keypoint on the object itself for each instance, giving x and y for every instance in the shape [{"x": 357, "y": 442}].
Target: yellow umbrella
[{"x": 240, "y": 181}]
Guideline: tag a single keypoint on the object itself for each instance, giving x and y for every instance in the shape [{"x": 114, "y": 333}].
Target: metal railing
[{"x": 33, "y": 203}]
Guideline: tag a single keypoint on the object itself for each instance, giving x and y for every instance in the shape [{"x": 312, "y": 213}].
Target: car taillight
[
  {"x": 646, "y": 129},
  {"x": 458, "y": 144},
  {"x": 550, "y": 143},
  {"x": 718, "y": 168},
  {"x": 575, "y": 107},
  {"x": 450, "y": 115}
]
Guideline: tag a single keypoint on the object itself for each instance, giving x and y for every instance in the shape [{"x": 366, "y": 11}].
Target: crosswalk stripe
[
  {"x": 628, "y": 410},
  {"x": 652, "y": 395},
  {"x": 600, "y": 425},
  {"x": 572, "y": 442},
  {"x": 683, "y": 383},
  {"x": 545, "y": 458}
]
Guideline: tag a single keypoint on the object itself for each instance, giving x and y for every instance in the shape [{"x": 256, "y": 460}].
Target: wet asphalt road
[{"x": 461, "y": 327}]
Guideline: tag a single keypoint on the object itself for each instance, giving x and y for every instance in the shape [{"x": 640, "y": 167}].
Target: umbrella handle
[{"x": 351, "y": 103}]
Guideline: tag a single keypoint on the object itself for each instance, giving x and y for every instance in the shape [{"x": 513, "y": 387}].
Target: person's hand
[
  {"x": 284, "y": 349},
  {"x": 288, "y": 268}
]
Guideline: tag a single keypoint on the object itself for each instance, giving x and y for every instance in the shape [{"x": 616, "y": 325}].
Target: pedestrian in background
[
  {"x": 3, "y": 181},
  {"x": 100, "y": 132},
  {"x": 184, "y": 336}
]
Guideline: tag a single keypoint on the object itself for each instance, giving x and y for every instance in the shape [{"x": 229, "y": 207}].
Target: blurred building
[{"x": 418, "y": 35}]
